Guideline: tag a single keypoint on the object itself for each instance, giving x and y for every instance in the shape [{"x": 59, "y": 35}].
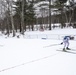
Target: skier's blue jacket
[{"x": 66, "y": 38}]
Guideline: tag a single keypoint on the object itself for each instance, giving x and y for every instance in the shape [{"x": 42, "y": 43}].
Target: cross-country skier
[{"x": 66, "y": 42}]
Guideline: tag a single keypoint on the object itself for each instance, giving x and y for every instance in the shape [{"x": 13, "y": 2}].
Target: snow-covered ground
[{"x": 38, "y": 56}]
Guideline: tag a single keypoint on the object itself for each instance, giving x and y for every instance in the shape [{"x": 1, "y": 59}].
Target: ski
[
  {"x": 67, "y": 51},
  {"x": 73, "y": 49},
  {"x": 51, "y": 45}
]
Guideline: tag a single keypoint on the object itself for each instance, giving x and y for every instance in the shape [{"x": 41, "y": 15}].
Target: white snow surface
[{"x": 21, "y": 56}]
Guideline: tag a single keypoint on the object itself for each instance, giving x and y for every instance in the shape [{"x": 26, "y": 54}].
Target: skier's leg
[
  {"x": 64, "y": 45},
  {"x": 67, "y": 46}
]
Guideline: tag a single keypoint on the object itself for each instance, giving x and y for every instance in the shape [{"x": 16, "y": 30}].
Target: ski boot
[
  {"x": 64, "y": 49},
  {"x": 67, "y": 48}
]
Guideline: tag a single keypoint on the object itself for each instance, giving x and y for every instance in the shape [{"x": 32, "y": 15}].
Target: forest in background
[{"x": 23, "y": 15}]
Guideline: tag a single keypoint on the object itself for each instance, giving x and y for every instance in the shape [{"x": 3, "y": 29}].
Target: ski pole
[{"x": 51, "y": 45}]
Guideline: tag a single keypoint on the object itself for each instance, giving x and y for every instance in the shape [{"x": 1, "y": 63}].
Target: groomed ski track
[{"x": 28, "y": 57}]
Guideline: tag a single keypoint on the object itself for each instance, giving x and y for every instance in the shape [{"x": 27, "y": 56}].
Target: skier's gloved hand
[{"x": 61, "y": 43}]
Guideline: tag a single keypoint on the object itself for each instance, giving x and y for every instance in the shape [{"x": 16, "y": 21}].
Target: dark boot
[
  {"x": 67, "y": 48},
  {"x": 64, "y": 49}
]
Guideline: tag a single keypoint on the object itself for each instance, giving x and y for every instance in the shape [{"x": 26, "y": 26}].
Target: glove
[
  {"x": 61, "y": 43},
  {"x": 71, "y": 38}
]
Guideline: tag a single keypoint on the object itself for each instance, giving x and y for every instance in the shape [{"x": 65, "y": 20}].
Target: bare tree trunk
[
  {"x": 22, "y": 17},
  {"x": 66, "y": 17},
  {"x": 9, "y": 4},
  {"x": 49, "y": 14},
  {"x": 12, "y": 21}
]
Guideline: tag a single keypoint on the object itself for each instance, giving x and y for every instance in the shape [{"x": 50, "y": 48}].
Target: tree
[
  {"x": 62, "y": 1},
  {"x": 26, "y": 13},
  {"x": 22, "y": 17},
  {"x": 49, "y": 14},
  {"x": 11, "y": 15},
  {"x": 60, "y": 6},
  {"x": 30, "y": 14},
  {"x": 8, "y": 9}
]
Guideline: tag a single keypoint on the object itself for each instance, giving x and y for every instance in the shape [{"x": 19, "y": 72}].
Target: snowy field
[{"x": 36, "y": 54}]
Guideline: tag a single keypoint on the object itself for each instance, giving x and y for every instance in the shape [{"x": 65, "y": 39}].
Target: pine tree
[
  {"x": 62, "y": 1},
  {"x": 28, "y": 12}
]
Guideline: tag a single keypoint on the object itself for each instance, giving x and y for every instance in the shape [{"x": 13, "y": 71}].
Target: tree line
[{"x": 20, "y": 15}]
